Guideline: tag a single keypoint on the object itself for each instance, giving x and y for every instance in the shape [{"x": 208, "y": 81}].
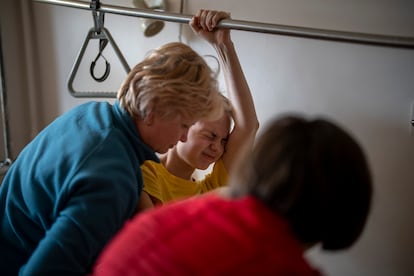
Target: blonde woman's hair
[{"x": 172, "y": 80}]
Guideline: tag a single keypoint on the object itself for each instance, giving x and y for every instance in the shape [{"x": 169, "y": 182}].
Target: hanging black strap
[
  {"x": 102, "y": 44},
  {"x": 99, "y": 18}
]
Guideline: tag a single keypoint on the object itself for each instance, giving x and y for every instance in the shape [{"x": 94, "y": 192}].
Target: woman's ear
[{"x": 149, "y": 118}]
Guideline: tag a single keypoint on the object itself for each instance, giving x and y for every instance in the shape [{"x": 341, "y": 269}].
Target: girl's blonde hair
[{"x": 172, "y": 80}]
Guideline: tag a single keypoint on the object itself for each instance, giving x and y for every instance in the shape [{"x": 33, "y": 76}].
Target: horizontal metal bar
[{"x": 342, "y": 36}]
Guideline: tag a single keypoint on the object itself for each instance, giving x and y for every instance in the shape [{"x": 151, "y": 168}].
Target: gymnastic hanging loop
[
  {"x": 97, "y": 32},
  {"x": 98, "y": 19}
]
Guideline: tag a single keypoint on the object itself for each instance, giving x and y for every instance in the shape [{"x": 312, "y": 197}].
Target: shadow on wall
[{"x": 46, "y": 59}]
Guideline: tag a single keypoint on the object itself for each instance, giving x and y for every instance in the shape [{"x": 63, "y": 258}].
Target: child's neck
[{"x": 176, "y": 165}]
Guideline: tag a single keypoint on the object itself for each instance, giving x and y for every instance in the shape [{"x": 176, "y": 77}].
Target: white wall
[{"x": 369, "y": 90}]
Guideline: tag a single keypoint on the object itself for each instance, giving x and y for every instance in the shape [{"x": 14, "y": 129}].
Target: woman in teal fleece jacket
[{"x": 73, "y": 187}]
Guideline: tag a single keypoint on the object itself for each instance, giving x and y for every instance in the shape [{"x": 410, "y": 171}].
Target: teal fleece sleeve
[{"x": 92, "y": 206}]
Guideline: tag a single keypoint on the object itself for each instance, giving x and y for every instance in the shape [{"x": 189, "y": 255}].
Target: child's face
[{"x": 206, "y": 143}]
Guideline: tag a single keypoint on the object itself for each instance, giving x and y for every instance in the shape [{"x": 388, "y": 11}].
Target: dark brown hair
[{"x": 315, "y": 175}]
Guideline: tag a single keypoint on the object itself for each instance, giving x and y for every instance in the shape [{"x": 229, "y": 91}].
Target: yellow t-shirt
[{"x": 161, "y": 184}]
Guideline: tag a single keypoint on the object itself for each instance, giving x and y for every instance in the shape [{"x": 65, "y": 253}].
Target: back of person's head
[
  {"x": 315, "y": 175},
  {"x": 172, "y": 80}
]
